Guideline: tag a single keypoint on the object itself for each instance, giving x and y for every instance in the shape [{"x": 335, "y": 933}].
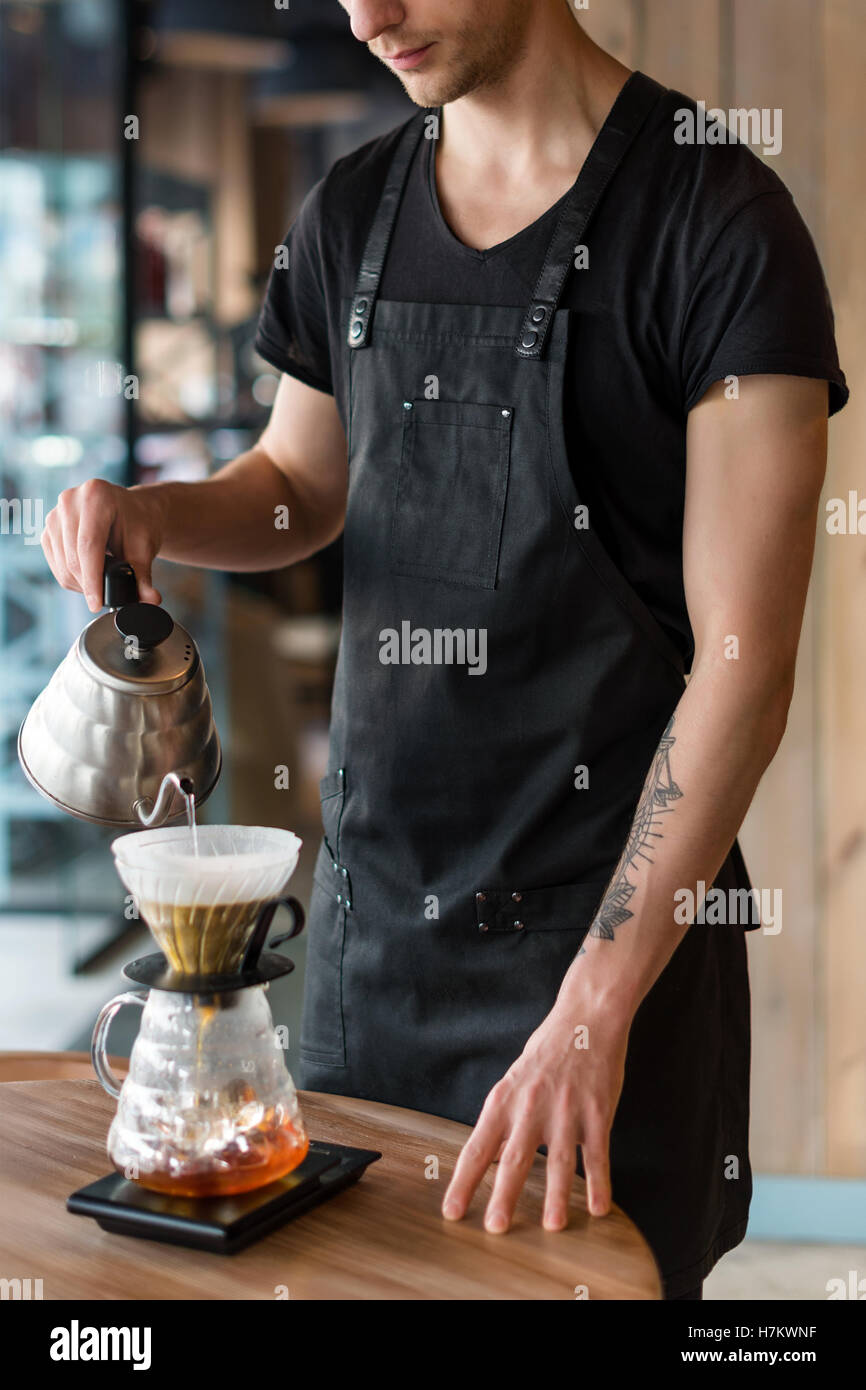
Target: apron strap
[
  {"x": 376, "y": 249},
  {"x": 630, "y": 110}
]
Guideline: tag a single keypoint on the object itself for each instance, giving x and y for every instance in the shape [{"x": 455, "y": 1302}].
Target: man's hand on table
[{"x": 562, "y": 1091}]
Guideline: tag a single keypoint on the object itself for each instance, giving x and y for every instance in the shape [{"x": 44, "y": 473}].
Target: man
[{"x": 583, "y": 371}]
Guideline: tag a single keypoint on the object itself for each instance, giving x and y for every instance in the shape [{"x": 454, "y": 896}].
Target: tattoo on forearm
[{"x": 659, "y": 791}]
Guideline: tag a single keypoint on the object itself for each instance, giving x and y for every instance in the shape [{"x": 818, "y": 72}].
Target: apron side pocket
[{"x": 323, "y": 1037}]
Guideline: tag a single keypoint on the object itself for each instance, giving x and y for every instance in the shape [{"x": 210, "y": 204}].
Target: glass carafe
[{"x": 208, "y": 1107}]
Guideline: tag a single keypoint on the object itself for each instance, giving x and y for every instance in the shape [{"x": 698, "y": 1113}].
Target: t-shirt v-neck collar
[
  {"x": 454, "y": 243},
  {"x": 487, "y": 253}
]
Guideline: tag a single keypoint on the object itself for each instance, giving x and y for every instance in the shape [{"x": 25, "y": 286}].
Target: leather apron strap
[{"x": 630, "y": 110}]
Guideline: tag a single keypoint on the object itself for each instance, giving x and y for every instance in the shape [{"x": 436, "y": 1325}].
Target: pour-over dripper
[{"x": 202, "y": 907}]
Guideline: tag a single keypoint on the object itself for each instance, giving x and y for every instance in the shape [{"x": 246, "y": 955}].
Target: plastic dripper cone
[{"x": 202, "y": 907}]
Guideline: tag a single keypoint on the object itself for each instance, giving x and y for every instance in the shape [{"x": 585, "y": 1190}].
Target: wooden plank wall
[
  {"x": 806, "y": 831},
  {"x": 842, "y": 622}
]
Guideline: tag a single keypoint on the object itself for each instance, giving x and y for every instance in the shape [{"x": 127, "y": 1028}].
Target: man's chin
[{"x": 434, "y": 91}]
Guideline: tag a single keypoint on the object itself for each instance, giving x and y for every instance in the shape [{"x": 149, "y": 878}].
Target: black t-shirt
[{"x": 700, "y": 267}]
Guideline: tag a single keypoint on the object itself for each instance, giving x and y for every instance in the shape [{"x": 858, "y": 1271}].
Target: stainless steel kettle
[{"x": 127, "y": 706}]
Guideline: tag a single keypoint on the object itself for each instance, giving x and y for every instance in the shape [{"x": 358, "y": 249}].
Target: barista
[{"x": 584, "y": 371}]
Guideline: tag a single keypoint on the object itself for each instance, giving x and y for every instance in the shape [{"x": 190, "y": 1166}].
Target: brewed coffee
[{"x": 202, "y": 938}]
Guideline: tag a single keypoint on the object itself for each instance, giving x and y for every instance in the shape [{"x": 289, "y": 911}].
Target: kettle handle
[
  {"x": 119, "y": 584},
  {"x": 100, "y": 1037}
]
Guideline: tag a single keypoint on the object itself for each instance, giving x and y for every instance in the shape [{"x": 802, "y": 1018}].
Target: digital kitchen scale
[{"x": 223, "y": 1225}]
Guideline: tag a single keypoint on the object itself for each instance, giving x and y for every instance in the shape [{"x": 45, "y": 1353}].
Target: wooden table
[{"x": 381, "y": 1239}]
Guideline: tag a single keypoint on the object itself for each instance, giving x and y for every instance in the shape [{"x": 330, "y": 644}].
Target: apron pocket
[
  {"x": 332, "y": 794},
  {"x": 450, "y": 496},
  {"x": 323, "y": 1038}
]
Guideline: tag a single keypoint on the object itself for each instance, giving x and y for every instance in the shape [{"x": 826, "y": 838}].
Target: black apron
[{"x": 461, "y": 863}]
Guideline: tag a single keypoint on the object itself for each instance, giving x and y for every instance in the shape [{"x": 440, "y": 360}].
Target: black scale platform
[{"x": 223, "y": 1225}]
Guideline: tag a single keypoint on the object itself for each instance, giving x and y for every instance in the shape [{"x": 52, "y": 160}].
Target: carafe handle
[{"x": 100, "y": 1037}]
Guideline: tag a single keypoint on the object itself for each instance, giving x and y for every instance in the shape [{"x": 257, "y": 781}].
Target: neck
[{"x": 545, "y": 110}]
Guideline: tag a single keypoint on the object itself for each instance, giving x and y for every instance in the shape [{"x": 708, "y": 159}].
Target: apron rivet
[
  {"x": 339, "y": 898},
  {"x": 334, "y": 864},
  {"x": 407, "y": 405},
  {"x": 481, "y": 897},
  {"x": 345, "y": 873},
  {"x": 518, "y": 926},
  {"x": 482, "y": 926},
  {"x": 506, "y": 413},
  {"x": 517, "y": 897}
]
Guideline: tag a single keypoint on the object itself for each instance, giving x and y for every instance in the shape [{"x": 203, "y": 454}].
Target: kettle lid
[{"x": 138, "y": 649}]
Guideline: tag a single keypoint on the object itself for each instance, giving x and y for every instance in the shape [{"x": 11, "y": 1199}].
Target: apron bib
[{"x": 491, "y": 650}]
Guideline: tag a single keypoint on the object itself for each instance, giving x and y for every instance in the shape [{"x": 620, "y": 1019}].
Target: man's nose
[{"x": 369, "y": 18}]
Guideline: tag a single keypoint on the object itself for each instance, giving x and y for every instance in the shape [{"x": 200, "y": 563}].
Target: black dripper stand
[{"x": 223, "y": 1224}]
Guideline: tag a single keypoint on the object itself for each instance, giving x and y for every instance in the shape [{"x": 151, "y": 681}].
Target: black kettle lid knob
[{"x": 146, "y": 623}]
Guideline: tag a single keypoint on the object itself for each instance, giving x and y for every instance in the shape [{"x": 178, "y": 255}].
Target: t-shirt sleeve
[
  {"x": 760, "y": 304},
  {"x": 292, "y": 331}
]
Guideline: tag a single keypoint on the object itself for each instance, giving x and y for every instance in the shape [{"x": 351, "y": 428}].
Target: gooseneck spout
[{"x": 151, "y": 813}]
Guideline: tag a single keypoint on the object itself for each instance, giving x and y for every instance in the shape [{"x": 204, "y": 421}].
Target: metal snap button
[
  {"x": 361, "y": 306},
  {"x": 357, "y": 328},
  {"x": 538, "y": 313},
  {"x": 529, "y": 339}
]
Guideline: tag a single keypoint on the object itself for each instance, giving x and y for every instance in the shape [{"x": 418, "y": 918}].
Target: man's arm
[
  {"x": 755, "y": 471},
  {"x": 228, "y": 521}
]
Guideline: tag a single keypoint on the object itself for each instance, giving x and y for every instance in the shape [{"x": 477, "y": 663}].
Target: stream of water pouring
[{"x": 188, "y": 794}]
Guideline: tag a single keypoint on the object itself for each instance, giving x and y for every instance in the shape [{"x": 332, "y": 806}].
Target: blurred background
[{"x": 152, "y": 156}]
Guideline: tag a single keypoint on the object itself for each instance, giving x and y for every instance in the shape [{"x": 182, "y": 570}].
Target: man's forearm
[
  {"x": 720, "y": 739},
  {"x": 247, "y": 517}
]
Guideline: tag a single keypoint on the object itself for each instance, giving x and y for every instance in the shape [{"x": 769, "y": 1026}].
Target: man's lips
[{"x": 408, "y": 57}]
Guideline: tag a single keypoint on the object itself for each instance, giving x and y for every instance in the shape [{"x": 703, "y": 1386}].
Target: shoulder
[
  {"x": 701, "y": 174},
  {"x": 342, "y": 205}
]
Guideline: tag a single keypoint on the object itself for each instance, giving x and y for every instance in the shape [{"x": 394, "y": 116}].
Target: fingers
[
  {"x": 97, "y": 511},
  {"x": 476, "y": 1156},
  {"x": 78, "y": 531},
  {"x": 141, "y": 560},
  {"x": 55, "y": 551},
  {"x": 596, "y": 1165},
  {"x": 68, "y": 517},
  {"x": 561, "y": 1169},
  {"x": 517, "y": 1158},
  {"x": 91, "y": 559}
]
